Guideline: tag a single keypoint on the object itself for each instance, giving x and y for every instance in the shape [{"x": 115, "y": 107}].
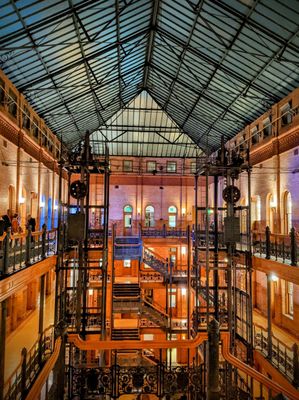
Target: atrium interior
[{"x": 149, "y": 236}]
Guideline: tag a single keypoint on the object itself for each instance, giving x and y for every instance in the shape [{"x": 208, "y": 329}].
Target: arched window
[
  {"x": 287, "y": 212},
  {"x": 33, "y": 205},
  {"x": 270, "y": 212},
  {"x": 42, "y": 205},
  {"x": 49, "y": 216},
  {"x": 255, "y": 212},
  {"x": 23, "y": 208},
  {"x": 172, "y": 216},
  {"x": 128, "y": 212},
  {"x": 149, "y": 216}
]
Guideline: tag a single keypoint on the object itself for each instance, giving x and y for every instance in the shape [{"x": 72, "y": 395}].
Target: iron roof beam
[
  {"x": 183, "y": 52},
  {"x": 86, "y": 65},
  {"x": 216, "y": 64},
  {"x": 151, "y": 40},
  {"x": 78, "y": 62},
  {"x": 44, "y": 22},
  {"x": 78, "y": 96},
  {"x": 39, "y": 55},
  {"x": 244, "y": 21}
]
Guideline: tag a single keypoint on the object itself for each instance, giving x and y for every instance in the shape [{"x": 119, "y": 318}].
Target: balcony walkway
[{"x": 26, "y": 335}]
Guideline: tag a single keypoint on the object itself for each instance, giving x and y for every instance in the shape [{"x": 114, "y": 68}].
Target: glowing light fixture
[
  {"x": 274, "y": 278},
  {"x": 21, "y": 200},
  {"x": 90, "y": 292},
  {"x": 184, "y": 291},
  {"x": 183, "y": 250}
]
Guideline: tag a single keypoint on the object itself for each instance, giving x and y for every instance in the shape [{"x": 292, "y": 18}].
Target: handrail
[
  {"x": 42, "y": 377},
  {"x": 91, "y": 344},
  {"x": 151, "y": 252},
  {"x": 290, "y": 392},
  {"x": 155, "y": 307}
]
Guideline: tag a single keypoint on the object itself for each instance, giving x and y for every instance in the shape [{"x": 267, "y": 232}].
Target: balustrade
[
  {"x": 18, "y": 251},
  {"x": 32, "y": 361}
]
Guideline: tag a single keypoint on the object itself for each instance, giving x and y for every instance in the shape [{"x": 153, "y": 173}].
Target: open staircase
[{"x": 156, "y": 262}]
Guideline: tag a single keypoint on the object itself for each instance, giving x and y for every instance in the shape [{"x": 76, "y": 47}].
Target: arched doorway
[
  {"x": 270, "y": 212},
  {"x": 287, "y": 212},
  {"x": 172, "y": 216},
  {"x": 255, "y": 212},
  {"x": 149, "y": 216},
  {"x": 127, "y": 217}
]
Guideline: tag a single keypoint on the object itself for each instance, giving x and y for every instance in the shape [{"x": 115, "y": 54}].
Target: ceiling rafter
[
  {"x": 78, "y": 62},
  {"x": 221, "y": 61},
  {"x": 151, "y": 40}
]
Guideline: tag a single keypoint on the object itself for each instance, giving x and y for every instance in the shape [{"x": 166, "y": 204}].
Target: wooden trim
[
  {"x": 91, "y": 344},
  {"x": 36, "y": 389},
  {"x": 22, "y": 278},
  {"x": 283, "y": 271},
  {"x": 289, "y": 391}
]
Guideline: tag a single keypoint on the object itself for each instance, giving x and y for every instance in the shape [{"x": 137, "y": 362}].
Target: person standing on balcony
[
  {"x": 15, "y": 225},
  {"x": 31, "y": 222}
]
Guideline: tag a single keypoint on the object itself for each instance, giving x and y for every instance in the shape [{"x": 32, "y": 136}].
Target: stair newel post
[
  {"x": 268, "y": 243},
  {"x": 213, "y": 392},
  {"x": 293, "y": 247}
]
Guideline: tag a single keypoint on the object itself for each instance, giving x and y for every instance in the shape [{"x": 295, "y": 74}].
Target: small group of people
[{"x": 14, "y": 223}]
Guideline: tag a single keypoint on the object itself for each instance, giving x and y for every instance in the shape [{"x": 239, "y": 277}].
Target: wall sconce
[
  {"x": 138, "y": 211},
  {"x": 90, "y": 292},
  {"x": 183, "y": 211},
  {"x": 274, "y": 278},
  {"x": 184, "y": 291},
  {"x": 42, "y": 204},
  {"x": 21, "y": 200},
  {"x": 183, "y": 250}
]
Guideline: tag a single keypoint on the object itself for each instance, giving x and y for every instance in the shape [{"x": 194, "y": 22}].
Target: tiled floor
[{"x": 25, "y": 336}]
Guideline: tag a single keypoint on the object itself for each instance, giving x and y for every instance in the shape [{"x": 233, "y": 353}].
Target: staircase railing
[
  {"x": 281, "y": 356},
  {"x": 32, "y": 361},
  {"x": 155, "y": 261}
]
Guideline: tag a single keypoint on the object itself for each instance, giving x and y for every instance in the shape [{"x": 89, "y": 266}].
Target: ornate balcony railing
[
  {"x": 18, "y": 251},
  {"x": 32, "y": 362},
  {"x": 282, "y": 357},
  {"x": 280, "y": 247}
]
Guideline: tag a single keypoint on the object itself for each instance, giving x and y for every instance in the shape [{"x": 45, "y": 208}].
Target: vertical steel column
[
  {"x": 207, "y": 249},
  {"x": 58, "y": 315},
  {"x": 87, "y": 157},
  {"x": 188, "y": 285},
  {"x": 269, "y": 316},
  {"x": 216, "y": 250},
  {"x": 41, "y": 316},
  {"x": 195, "y": 257},
  {"x": 249, "y": 269},
  {"x": 213, "y": 392},
  {"x": 105, "y": 247},
  {"x": 3, "y": 315}
]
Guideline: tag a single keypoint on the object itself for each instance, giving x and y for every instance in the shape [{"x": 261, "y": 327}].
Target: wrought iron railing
[
  {"x": 163, "y": 233},
  {"x": 18, "y": 251},
  {"x": 279, "y": 247},
  {"x": 32, "y": 362},
  {"x": 282, "y": 357}
]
